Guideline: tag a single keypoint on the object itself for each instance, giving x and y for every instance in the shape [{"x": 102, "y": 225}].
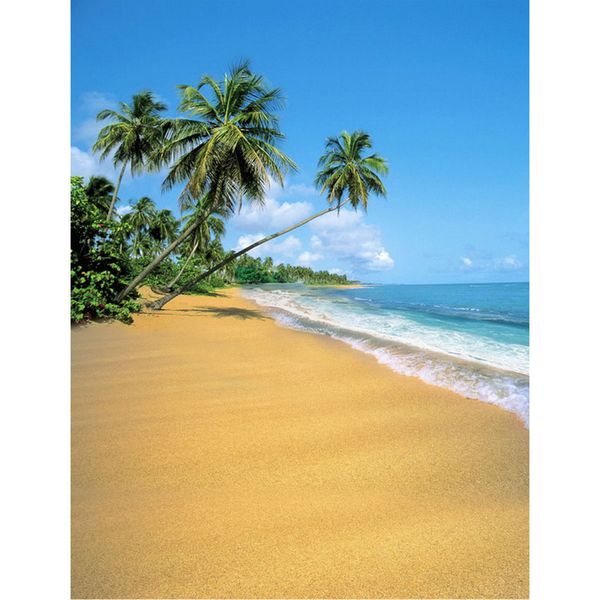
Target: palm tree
[
  {"x": 201, "y": 236},
  {"x": 226, "y": 148},
  {"x": 134, "y": 135},
  {"x": 345, "y": 172},
  {"x": 163, "y": 228},
  {"x": 100, "y": 191},
  {"x": 140, "y": 219}
]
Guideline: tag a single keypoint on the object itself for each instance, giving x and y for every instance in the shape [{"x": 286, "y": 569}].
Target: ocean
[{"x": 470, "y": 338}]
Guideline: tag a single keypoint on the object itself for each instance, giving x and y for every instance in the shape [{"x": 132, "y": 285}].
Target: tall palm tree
[
  {"x": 134, "y": 134},
  {"x": 345, "y": 173},
  {"x": 226, "y": 147},
  {"x": 100, "y": 191}
]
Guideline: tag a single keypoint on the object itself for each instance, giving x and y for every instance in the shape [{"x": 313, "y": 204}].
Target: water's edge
[{"x": 506, "y": 389}]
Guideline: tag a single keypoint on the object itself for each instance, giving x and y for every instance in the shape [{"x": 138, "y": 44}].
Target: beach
[{"x": 217, "y": 454}]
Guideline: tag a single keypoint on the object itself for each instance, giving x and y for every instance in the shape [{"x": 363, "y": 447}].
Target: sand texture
[{"x": 216, "y": 454}]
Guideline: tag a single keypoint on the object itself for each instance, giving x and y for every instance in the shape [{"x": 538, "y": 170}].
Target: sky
[{"x": 440, "y": 85}]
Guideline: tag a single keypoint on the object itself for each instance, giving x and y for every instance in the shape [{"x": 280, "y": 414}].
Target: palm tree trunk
[
  {"x": 114, "y": 198},
  {"x": 158, "y": 304},
  {"x": 187, "y": 260},
  {"x": 137, "y": 280}
]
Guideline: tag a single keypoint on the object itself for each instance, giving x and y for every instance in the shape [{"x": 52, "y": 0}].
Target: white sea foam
[{"x": 476, "y": 367}]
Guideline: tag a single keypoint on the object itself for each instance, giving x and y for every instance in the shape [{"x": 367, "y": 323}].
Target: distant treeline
[{"x": 256, "y": 270}]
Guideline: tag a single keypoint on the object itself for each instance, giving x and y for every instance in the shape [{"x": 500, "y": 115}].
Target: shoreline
[
  {"x": 376, "y": 344},
  {"x": 257, "y": 460}
]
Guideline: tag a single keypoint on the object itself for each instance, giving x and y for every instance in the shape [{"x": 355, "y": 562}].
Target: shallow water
[{"x": 470, "y": 338}]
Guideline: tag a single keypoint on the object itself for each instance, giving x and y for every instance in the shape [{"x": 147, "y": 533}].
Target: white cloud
[
  {"x": 86, "y": 164},
  {"x": 307, "y": 258},
  {"x": 123, "y": 210},
  {"x": 271, "y": 216},
  {"x": 382, "y": 261},
  {"x": 287, "y": 248},
  {"x": 346, "y": 237},
  {"x": 91, "y": 103},
  {"x": 508, "y": 263},
  {"x": 483, "y": 262},
  {"x": 87, "y": 131},
  {"x": 299, "y": 189},
  {"x": 336, "y": 238},
  {"x": 94, "y": 102}
]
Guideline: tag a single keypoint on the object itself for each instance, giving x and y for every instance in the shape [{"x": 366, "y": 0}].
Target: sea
[{"x": 469, "y": 338}]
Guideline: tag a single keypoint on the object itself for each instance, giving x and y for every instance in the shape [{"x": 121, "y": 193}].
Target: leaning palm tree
[
  {"x": 135, "y": 133},
  {"x": 346, "y": 176},
  {"x": 225, "y": 148}
]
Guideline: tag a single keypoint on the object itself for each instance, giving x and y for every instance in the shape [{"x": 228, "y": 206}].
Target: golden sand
[{"x": 218, "y": 455}]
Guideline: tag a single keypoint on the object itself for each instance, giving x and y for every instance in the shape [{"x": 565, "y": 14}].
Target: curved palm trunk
[
  {"x": 137, "y": 280},
  {"x": 114, "y": 198},
  {"x": 158, "y": 304},
  {"x": 187, "y": 260}
]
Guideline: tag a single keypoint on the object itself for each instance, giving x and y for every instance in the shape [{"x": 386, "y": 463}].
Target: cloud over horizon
[{"x": 347, "y": 237}]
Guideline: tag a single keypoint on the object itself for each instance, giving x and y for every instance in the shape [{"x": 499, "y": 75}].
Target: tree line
[{"x": 224, "y": 153}]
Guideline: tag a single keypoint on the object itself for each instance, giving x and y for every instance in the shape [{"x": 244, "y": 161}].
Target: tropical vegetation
[{"x": 223, "y": 151}]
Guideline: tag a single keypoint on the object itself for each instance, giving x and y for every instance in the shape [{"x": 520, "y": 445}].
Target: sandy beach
[{"x": 216, "y": 454}]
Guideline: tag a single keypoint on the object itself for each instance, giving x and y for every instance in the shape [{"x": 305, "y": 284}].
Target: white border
[
  {"x": 35, "y": 437},
  {"x": 565, "y": 428},
  {"x": 565, "y": 168}
]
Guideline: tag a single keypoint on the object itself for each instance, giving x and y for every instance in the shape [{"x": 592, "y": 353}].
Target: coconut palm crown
[
  {"x": 227, "y": 146},
  {"x": 345, "y": 171},
  {"x": 135, "y": 133}
]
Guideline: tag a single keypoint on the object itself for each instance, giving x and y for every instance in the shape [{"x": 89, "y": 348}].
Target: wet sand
[{"x": 216, "y": 454}]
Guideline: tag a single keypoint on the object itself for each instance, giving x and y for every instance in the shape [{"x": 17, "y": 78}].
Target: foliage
[
  {"x": 346, "y": 172},
  {"x": 99, "y": 268},
  {"x": 226, "y": 146},
  {"x": 100, "y": 190},
  {"x": 134, "y": 133},
  {"x": 256, "y": 270}
]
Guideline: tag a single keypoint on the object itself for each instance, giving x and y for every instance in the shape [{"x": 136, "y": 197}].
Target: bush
[{"x": 100, "y": 267}]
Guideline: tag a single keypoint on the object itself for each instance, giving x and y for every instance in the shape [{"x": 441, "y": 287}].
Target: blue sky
[{"x": 441, "y": 86}]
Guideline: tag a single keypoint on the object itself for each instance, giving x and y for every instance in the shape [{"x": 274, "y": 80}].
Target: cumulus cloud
[
  {"x": 271, "y": 216},
  {"x": 287, "y": 248},
  {"x": 123, "y": 210},
  {"x": 346, "y": 237},
  {"x": 86, "y": 164},
  {"x": 508, "y": 263},
  {"x": 487, "y": 263},
  {"x": 94, "y": 102},
  {"x": 87, "y": 131},
  {"x": 91, "y": 103},
  {"x": 341, "y": 243},
  {"x": 307, "y": 258}
]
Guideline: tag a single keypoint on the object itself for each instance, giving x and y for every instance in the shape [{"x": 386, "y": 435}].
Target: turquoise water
[{"x": 470, "y": 338}]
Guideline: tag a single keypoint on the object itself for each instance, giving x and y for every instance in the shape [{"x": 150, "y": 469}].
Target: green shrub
[{"x": 100, "y": 267}]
